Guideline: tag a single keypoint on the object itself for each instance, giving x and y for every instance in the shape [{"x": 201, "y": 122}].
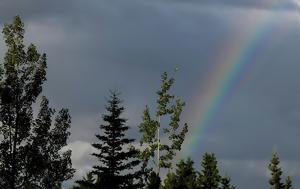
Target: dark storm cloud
[
  {"x": 94, "y": 46},
  {"x": 248, "y": 4}
]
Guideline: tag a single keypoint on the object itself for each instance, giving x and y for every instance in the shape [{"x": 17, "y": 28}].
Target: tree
[
  {"x": 22, "y": 137},
  {"x": 276, "y": 172},
  {"x": 209, "y": 177},
  {"x": 47, "y": 166},
  {"x": 154, "y": 181},
  {"x": 275, "y": 180},
  {"x": 288, "y": 183},
  {"x": 226, "y": 183},
  {"x": 185, "y": 177},
  {"x": 169, "y": 107},
  {"x": 170, "y": 181},
  {"x": 117, "y": 167},
  {"x": 88, "y": 182}
]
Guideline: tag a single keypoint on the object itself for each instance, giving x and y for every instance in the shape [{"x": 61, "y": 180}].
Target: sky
[{"x": 94, "y": 46}]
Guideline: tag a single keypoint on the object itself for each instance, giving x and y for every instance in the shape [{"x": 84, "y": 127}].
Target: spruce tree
[
  {"x": 186, "y": 174},
  {"x": 168, "y": 107},
  {"x": 88, "y": 182},
  {"x": 226, "y": 183},
  {"x": 288, "y": 183},
  {"x": 170, "y": 181},
  {"x": 154, "y": 181},
  {"x": 22, "y": 139},
  {"x": 209, "y": 177},
  {"x": 275, "y": 180},
  {"x": 184, "y": 178},
  {"x": 118, "y": 167}
]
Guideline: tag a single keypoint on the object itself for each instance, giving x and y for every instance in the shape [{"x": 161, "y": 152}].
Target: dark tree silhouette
[
  {"x": 46, "y": 165},
  {"x": 118, "y": 168},
  {"x": 88, "y": 182},
  {"x": 154, "y": 181},
  {"x": 24, "y": 160}
]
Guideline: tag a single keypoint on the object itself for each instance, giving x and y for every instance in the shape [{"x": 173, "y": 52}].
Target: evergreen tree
[
  {"x": 185, "y": 177},
  {"x": 209, "y": 177},
  {"x": 154, "y": 181},
  {"x": 226, "y": 183},
  {"x": 275, "y": 180},
  {"x": 22, "y": 138},
  {"x": 288, "y": 183},
  {"x": 170, "y": 181},
  {"x": 88, "y": 182},
  {"x": 169, "y": 107},
  {"x": 117, "y": 166}
]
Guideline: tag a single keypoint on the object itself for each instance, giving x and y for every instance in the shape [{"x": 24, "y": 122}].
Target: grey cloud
[
  {"x": 275, "y": 5},
  {"x": 81, "y": 159},
  {"x": 95, "y": 46}
]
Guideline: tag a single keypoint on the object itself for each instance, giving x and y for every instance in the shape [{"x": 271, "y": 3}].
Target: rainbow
[{"x": 234, "y": 60}]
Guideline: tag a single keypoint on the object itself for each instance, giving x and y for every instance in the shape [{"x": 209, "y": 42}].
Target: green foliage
[
  {"x": 170, "y": 181},
  {"x": 209, "y": 176},
  {"x": 117, "y": 168},
  {"x": 154, "y": 181},
  {"x": 185, "y": 177},
  {"x": 275, "y": 180},
  {"x": 276, "y": 172},
  {"x": 226, "y": 183},
  {"x": 288, "y": 183},
  {"x": 30, "y": 154},
  {"x": 169, "y": 107}
]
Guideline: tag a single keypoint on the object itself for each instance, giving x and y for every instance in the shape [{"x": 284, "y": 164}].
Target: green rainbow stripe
[{"x": 238, "y": 54}]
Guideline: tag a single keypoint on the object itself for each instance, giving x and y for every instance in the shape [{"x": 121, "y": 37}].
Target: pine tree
[
  {"x": 88, "y": 182},
  {"x": 118, "y": 167},
  {"x": 288, "y": 183},
  {"x": 184, "y": 178},
  {"x": 170, "y": 181},
  {"x": 209, "y": 177},
  {"x": 226, "y": 183},
  {"x": 21, "y": 77},
  {"x": 169, "y": 107},
  {"x": 275, "y": 180},
  {"x": 154, "y": 181}
]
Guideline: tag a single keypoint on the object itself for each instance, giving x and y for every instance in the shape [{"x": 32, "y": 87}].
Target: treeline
[{"x": 32, "y": 154}]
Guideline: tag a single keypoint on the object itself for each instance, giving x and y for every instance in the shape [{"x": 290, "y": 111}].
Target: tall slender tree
[
  {"x": 276, "y": 172},
  {"x": 168, "y": 106},
  {"x": 209, "y": 177},
  {"x": 21, "y": 137},
  {"x": 118, "y": 167}
]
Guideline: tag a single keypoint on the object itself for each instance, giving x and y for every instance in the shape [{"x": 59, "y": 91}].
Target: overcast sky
[{"x": 97, "y": 45}]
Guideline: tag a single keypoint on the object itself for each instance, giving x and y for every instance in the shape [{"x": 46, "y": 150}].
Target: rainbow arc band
[{"x": 238, "y": 54}]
